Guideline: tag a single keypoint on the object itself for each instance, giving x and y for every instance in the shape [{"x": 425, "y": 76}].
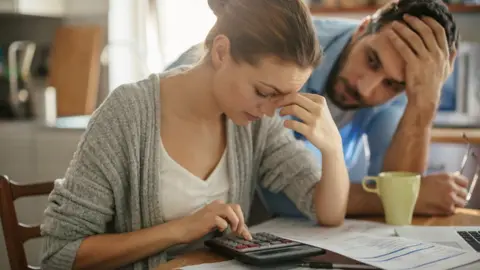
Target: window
[
  {"x": 139, "y": 44},
  {"x": 185, "y": 23}
]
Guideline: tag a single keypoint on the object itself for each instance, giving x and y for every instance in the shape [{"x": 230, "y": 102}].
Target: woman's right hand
[{"x": 216, "y": 215}]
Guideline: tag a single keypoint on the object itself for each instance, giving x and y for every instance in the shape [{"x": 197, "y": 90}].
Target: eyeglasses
[{"x": 470, "y": 165}]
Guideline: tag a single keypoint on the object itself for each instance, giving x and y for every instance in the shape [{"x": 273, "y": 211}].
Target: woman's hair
[{"x": 257, "y": 28}]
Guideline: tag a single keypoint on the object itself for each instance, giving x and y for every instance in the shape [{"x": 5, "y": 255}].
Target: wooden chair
[{"x": 15, "y": 233}]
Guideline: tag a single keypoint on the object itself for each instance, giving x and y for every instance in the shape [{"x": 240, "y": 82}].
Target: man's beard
[{"x": 334, "y": 79}]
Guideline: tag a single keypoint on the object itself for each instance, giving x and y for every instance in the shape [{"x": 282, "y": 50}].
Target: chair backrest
[{"x": 15, "y": 233}]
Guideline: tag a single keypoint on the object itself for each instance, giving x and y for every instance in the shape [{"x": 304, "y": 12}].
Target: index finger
[
  {"x": 242, "y": 228},
  {"x": 246, "y": 234},
  {"x": 461, "y": 180},
  {"x": 297, "y": 98},
  {"x": 315, "y": 97},
  {"x": 439, "y": 33}
]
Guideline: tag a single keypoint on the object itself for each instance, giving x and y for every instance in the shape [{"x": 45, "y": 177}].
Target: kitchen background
[{"x": 47, "y": 94}]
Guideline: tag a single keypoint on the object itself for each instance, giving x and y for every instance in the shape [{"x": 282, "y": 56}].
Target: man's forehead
[{"x": 391, "y": 59}]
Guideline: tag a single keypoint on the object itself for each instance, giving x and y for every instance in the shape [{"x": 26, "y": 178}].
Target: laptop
[{"x": 464, "y": 237}]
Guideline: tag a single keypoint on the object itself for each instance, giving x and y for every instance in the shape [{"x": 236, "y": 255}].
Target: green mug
[{"x": 398, "y": 192}]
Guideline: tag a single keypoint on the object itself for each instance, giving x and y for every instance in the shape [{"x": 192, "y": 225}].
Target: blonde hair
[{"x": 256, "y": 28}]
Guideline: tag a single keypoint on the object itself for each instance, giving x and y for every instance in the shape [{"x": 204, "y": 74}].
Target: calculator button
[{"x": 260, "y": 241}]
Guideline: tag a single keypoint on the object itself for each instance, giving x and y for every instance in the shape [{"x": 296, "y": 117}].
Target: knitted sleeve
[
  {"x": 82, "y": 203},
  {"x": 286, "y": 165}
]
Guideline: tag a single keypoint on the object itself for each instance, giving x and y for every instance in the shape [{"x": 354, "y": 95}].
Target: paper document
[
  {"x": 307, "y": 228},
  {"x": 397, "y": 252},
  {"x": 368, "y": 242},
  {"x": 371, "y": 243},
  {"x": 235, "y": 265}
]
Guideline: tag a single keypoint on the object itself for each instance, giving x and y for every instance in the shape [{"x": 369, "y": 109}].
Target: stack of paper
[{"x": 368, "y": 242}]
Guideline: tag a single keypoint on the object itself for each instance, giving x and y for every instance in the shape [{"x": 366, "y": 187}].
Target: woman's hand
[
  {"x": 317, "y": 123},
  {"x": 216, "y": 215}
]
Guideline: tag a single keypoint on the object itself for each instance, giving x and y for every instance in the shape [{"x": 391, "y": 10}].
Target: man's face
[{"x": 370, "y": 73}]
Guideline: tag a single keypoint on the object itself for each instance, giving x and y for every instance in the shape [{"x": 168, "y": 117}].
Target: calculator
[{"x": 263, "y": 249}]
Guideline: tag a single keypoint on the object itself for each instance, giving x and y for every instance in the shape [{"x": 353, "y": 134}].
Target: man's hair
[
  {"x": 435, "y": 9},
  {"x": 256, "y": 28}
]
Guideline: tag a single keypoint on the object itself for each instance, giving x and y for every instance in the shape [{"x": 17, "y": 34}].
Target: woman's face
[{"x": 245, "y": 92}]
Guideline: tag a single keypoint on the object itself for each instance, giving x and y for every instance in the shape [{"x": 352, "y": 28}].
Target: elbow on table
[
  {"x": 330, "y": 217},
  {"x": 330, "y": 221},
  {"x": 329, "y": 211}
]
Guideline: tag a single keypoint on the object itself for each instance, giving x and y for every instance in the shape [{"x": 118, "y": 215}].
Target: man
[{"x": 382, "y": 77}]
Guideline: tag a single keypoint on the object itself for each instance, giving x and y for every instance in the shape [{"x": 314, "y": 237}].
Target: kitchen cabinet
[{"x": 46, "y": 8}]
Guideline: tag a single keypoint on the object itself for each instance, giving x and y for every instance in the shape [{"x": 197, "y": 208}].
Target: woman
[{"x": 167, "y": 160}]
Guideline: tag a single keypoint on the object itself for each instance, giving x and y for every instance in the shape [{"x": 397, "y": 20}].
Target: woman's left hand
[{"x": 317, "y": 123}]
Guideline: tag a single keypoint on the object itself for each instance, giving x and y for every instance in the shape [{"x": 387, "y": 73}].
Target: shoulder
[
  {"x": 329, "y": 29},
  {"x": 135, "y": 93},
  {"x": 128, "y": 103}
]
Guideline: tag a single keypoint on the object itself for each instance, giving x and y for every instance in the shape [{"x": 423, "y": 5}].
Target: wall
[{"x": 466, "y": 22}]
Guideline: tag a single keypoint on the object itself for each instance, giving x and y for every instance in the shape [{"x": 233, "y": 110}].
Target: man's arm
[
  {"x": 380, "y": 130},
  {"x": 411, "y": 141},
  {"x": 427, "y": 68}
]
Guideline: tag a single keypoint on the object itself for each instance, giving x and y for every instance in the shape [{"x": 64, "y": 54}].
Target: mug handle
[{"x": 369, "y": 189}]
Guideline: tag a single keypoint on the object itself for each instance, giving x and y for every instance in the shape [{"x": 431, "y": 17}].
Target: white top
[{"x": 183, "y": 193}]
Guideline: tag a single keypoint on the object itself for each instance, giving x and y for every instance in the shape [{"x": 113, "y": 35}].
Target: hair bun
[{"x": 217, "y": 6}]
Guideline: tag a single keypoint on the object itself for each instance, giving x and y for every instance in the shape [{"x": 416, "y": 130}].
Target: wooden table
[
  {"x": 454, "y": 135},
  {"x": 462, "y": 217}
]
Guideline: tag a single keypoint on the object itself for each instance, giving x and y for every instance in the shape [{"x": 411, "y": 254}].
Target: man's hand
[
  {"x": 428, "y": 59},
  {"x": 441, "y": 193}
]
